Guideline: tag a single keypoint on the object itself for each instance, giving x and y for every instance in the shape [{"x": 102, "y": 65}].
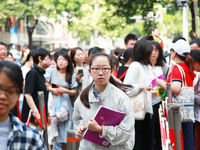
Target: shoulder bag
[
  {"x": 138, "y": 101},
  {"x": 186, "y": 99}
]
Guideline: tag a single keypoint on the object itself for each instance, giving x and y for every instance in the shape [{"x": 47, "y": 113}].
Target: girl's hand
[
  {"x": 79, "y": 76},
  {"x": 37, "y": 114},
  {"x": 94, "y": 126},
  {"x": 61, "y": 89},
  {"x": 160, "y": 82},
  {"x": 54, "y": 91},
  {"x": 80, "y": 131},
  {"x": 146, "y": 87}
]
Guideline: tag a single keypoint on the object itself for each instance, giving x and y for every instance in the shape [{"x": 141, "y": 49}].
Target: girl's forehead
[
  {"x": 78, "y": 51},
  {"x": 101, "y": 60}
]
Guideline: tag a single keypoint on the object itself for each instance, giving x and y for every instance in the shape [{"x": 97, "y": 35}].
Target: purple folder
[
  {"x": 153, "y": 82},
  {"x": 104, "y": 117}
]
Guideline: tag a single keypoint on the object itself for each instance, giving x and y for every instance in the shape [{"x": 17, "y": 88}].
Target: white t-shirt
[
  {"x": 25, "y": 70},
  {"x": 155, "y": 73}
]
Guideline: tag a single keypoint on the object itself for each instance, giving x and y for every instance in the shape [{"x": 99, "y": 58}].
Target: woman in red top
[{"x": 180, "y": 55}]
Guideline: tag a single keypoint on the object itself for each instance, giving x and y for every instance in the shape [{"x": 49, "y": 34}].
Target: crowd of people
[{"x": 76, "y": 82}]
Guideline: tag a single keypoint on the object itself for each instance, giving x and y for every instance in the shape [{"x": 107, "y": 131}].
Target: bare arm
[
  {"x": 65, "y": 90},
  {"x": 32, "y": 105},
  {"x": 176, "y": 87},
  {"x": 161, "y": 83}
]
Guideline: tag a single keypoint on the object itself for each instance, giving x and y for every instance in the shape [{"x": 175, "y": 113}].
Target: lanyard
[{"x": 179, "y": 62}]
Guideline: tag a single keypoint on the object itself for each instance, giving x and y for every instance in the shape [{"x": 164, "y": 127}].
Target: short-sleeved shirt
[
  {"x": 35, "y": 82},
  {"x": 175, "y": 75}
]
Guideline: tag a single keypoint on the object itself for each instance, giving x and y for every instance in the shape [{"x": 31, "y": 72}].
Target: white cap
[{"x": 181, "y": 47}]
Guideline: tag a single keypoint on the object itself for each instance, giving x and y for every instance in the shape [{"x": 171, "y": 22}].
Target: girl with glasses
[
  {"x": 13, "y": 133},
  {"x": 104, "y": 91}
]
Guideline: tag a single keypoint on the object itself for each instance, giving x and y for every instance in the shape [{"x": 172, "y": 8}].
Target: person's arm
[
  {"x": 197, "y": 92},
  {"x": 79, "y": 126},
  {"x": 133, "y": 79},
  {"x": 65, "y": 90},
  {"x": 175, "y": 87},
  {"x": 161, "y": 83},
  {"x": 32, "y": 105}
]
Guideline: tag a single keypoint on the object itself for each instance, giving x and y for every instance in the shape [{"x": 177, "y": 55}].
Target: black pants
[
  {"x": 156, "y": 128},
  {"x": 143, "y": 133}
]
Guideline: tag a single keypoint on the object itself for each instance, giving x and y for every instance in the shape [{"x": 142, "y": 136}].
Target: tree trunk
[
  {"x": 30, "y": 30},
  {"x": 194, "y": 31}
]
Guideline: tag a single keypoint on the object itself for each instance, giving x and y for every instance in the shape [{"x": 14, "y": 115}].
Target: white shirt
[
  {"x": 138, "y": 71},
  {"x": 122, "y": 136}
]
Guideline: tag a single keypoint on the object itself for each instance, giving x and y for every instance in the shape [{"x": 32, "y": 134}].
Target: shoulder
[
  {"x": 26, "y": 134},
  {"x": 33, "y": 71},
  {"x": 135, "y": 66},
  {"x": 118, "y": 92},
  {"x": 22, "y": 128},
  {"x": 32, "y": 74}
]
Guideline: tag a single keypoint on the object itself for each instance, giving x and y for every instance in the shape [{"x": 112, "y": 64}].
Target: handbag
[
  {"x": 186, "y": 99},
  {"x": 139, "y": 105},
  {"x": 138, "y": 100}
]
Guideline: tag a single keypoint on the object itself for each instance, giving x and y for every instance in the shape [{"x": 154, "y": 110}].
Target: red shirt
[{"x": 175, "y": 75}]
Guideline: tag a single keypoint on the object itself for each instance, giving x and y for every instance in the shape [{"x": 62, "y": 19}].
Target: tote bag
[
  {"x": 138, "y": 101},
  {"x": 186, "y": 99},
  {"x": 139, "y": 105}
]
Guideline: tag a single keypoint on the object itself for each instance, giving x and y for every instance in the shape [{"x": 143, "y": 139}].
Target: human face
[
  {"x": 173, "y": 54},
  {"x": 155, "y": 32},
  {"x": 45, "y": 63},
  {"x": 196, "y": 66},
  {"x": 7, "y": 102},
  {"x": 101, "y": 79},
  {"x": 86, "y": 56},
  {"x": 62, "y": 62},
  {"x": 9, "y": 58},
  {"x": 3, "y": 52},
  {"x": 79, "y": 56},
  {"x": 53, "y": 64},
  {"x": 130, "y": 43},
  {"x": 194, "y": 46},
  {"x": 154, "y": 54}
]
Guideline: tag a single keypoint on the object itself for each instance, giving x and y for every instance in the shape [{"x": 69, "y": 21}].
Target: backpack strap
[{"x": 123, "y": 75}]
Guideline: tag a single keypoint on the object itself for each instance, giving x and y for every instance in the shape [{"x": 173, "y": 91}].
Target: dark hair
[
  {"x": 9, "y": 53},
  {"x": 130, "y": 36},
  {"x": 153, "y": 29},
  {"x": 142, "y": 51},
  {"x": 148, "y": 37},
  {"x": 65, "y": 50},
  {"x": 94, "y": 50},
  {"x": 117, "y": 51},
  {"x": 72, "y": 54},
  {"x": 69, "y": 69},
  {"x": 160, "y": 58},
  {"x": 40, "y": 52},
  {"x": 30, "y": 54},
  {"x": 178, "y": 38},
  {"x": 197, "y": 41},
  {"x": 115, "y": 61},
  {"x": 84, "y": 94},
  {"x": 188, "y": 60},
  {"x": 126, "y": 55},
  {"x": 13, "y": 71},
  {"x": 195, "y": 54},
  {"x": 2, "y": 43}
]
